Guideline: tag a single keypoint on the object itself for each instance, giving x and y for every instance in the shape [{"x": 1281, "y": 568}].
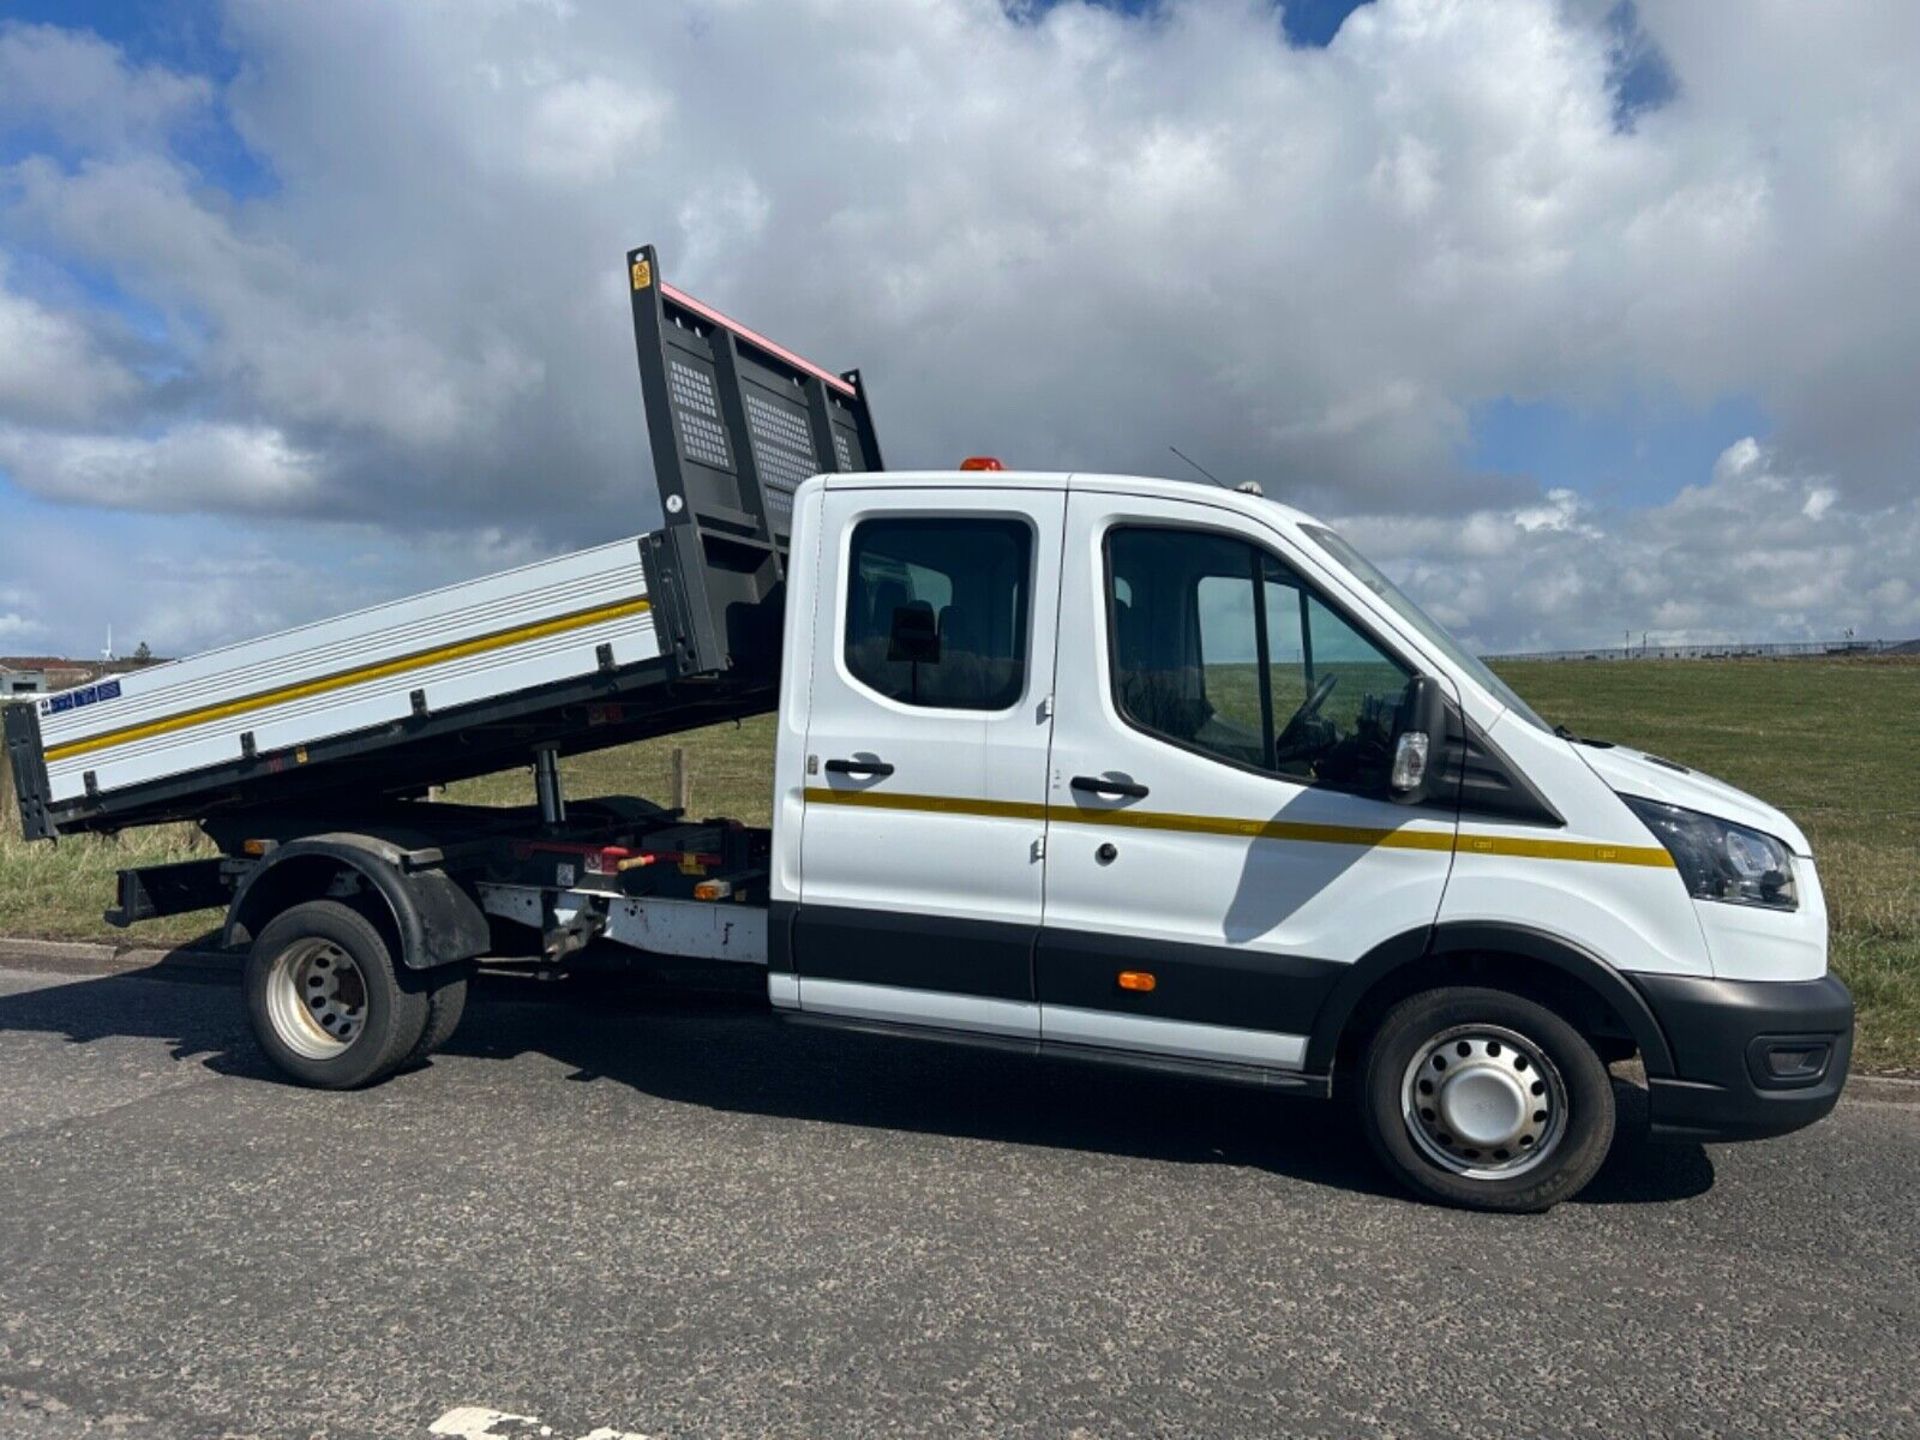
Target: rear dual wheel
[
  {"x": 1486, "y": 1099},
  {"x": 331, "y": 1007}
]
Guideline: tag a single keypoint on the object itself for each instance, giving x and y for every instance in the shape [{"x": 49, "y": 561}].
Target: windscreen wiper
[{"x": 1566, "y": 734}]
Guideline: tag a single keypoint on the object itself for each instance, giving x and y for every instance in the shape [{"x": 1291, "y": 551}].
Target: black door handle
[
  {"x": 1098, "y": 785},
  {"x": 859, "y": 767}
]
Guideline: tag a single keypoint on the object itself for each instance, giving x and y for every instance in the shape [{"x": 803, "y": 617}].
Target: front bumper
[{"x": 1751, "y": 1058}]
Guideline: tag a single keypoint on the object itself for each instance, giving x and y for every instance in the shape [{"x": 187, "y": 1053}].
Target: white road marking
[{"x": 478, "y": 1422}]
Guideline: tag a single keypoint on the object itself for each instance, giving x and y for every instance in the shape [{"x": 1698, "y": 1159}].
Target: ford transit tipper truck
[{"x": 1122, "y": 769}]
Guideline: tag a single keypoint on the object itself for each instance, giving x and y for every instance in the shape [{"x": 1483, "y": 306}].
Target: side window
[
  {"x": 937, "y": 610},
  {"x": 1218, "y": 647}
]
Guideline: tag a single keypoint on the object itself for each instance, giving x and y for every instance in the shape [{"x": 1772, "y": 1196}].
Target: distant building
[
  {"x": 21, "y": 682},
  {"x": 49, "y": 671}
]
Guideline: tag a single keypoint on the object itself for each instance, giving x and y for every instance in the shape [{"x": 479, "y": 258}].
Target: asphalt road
[{"x": 663, "y": 1216}]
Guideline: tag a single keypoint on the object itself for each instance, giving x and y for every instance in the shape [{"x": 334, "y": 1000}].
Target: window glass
[
  {"x": 937, "y": 610},
  {"x": 1434, "y": 632},
  {"x": 1218, "y": 647}
]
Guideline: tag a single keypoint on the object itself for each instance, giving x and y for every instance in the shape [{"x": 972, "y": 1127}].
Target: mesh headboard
[{"x": 736, "y": 420}]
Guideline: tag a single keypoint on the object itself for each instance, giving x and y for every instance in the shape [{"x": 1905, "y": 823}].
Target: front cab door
[
  {"x": 1221, "y": 845},
  {"x": 926, "y": 756}
]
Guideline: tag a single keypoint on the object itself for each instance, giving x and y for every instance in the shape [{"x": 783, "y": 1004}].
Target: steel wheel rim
[
  {"x": 1484, "y": 1102},
  {"x": 317, "y": 999}
]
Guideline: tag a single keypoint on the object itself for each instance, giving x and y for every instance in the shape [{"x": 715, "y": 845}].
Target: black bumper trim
[{"x": 1725, "y": 1086}]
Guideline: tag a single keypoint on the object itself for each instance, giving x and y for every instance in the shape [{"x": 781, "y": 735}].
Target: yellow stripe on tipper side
[
  {"x": 1299, "y": 831},
  {"x": 360, "y": 675}
]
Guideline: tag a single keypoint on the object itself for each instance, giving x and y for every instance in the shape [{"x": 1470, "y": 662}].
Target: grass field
[{"x": 1824, "y": 740}]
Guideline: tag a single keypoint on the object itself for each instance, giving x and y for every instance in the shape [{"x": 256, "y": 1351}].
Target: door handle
[
  {"x": 876, "y": 768},
  {"x": 1099, "y": 785}
]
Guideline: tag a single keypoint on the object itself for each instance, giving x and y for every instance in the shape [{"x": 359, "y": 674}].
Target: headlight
[{"x": 1718, "y": 859}]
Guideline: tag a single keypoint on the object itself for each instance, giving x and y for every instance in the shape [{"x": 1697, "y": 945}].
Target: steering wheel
[{"x": 1309, "y": 708}]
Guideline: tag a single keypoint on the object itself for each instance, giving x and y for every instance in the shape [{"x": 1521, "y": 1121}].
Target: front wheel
[
  {"x": 327, "y": 1001},
  {"x": 1483, "y": 1098}
]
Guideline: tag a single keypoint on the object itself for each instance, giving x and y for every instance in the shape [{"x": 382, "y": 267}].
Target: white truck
[{"x": 1119, "y": 769}]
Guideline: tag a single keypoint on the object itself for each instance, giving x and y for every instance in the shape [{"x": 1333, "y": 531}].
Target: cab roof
[{"x": 1157, "y": 487}]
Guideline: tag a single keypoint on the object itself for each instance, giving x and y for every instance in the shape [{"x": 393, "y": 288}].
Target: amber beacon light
[{"x": 981, "y": 462}]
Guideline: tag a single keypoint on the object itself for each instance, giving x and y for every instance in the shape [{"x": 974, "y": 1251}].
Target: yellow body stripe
[
  {"x": 928, "y": 804},
  {"x": 1437, "y": 840},
  {"x": 400, "y": 665}
]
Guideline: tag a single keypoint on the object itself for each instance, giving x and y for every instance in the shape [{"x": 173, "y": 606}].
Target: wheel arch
[
  {"x": 1516, "y": 956},
  {"x": 426, "y": 916}
]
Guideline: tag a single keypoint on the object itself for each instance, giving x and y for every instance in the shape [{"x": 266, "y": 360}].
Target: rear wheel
[
  {"x": 1486, "y": 1099},
  {"x": 327, "y": 1001},
  {"x": 446, "y": 1003}
]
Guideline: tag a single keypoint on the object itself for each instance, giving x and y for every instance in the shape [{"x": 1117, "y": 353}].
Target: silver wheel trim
[
  {"x": 316, "y": 999},
  {"x": 1495, "y": 1107}
]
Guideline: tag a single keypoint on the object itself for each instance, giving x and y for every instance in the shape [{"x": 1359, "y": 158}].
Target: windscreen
[{"x": 1358, "y": 566}]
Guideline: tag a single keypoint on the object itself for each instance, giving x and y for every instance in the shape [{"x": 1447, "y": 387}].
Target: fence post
[{"x": 682, "y": 780}]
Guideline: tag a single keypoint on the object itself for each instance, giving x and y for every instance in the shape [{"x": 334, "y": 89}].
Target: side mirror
[
  {"x": 915, "y": 636},
  {"x": 1419, "y": 741}
]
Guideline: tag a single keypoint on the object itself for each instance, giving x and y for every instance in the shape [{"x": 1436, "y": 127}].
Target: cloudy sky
[{"x": 1583, "y": 318}]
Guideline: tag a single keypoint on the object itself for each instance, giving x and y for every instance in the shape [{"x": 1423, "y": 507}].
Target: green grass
[{"x": 1824, "y": 740}]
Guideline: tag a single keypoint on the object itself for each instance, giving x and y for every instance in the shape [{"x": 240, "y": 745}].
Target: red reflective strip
[{"x": 753, "y": 337}]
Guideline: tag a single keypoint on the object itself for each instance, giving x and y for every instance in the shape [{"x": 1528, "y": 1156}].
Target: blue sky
[{"x": 1548, "y": 301}]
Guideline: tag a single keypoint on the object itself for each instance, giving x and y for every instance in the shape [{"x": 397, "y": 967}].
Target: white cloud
[
  {"x": 196, "y": 466},
  {"x": 1069, "y": 238},
  {"x": 84, "y": 90},
  {"x": 1756, "y": 553},
  {"x": 51, "y": 368}
]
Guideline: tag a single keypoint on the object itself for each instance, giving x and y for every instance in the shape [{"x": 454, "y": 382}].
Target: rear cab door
[
  {"x": 925, "y": 769},
  {"x": 1220, "y": 852}
]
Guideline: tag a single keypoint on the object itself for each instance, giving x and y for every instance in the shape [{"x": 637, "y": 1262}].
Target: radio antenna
[{"x": 1201, "y": 468}]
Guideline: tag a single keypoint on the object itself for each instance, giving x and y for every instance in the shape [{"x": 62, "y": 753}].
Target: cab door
[
  {"x": 1221, "y": 844},
  {"x": 926, "y": 756}
]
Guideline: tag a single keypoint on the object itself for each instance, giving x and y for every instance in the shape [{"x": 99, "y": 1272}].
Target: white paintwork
[
  {"x": 1287, "y": 897},
  {"x": 1634, "y": 917},
  {"x": 479, "y": 1422},
  {"x": 1111, "y": 1030},
  {"x": 783, "y": 990},
  {"x": 937, "y": 1008},
  {"x": 968, "y": 867},
  {"x": 1748, "y": 942},
  {"x": 796, "y": 694},
  {"x": 697, "y": 929},
  {"x": 547, "y": 590},
  {"x": 1631, "y": 772},
  {"x": 689, "y": 929},
  {"x": 525, "y": 904}
]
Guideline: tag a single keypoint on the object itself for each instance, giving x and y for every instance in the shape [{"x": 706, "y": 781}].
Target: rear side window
[{"x": 937, "y": 610}]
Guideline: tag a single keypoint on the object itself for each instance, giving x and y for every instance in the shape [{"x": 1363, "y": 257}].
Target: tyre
[
  {"x": 327, "y": 1001},
  {"x": 446, "y": 1003},
  {"x": 1485, "y": 1099}
]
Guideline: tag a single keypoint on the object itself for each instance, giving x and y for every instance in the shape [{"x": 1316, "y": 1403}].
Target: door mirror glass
[
  {"x": 1419, "y": 738},
  {"x": 1410, "y": 752}
]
